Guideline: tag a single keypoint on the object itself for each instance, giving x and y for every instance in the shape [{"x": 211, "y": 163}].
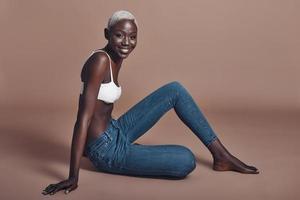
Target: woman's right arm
[{"x": 95, "y": 75}]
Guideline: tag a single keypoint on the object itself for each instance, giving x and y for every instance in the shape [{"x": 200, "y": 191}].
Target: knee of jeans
[
  {"x": 187, "y": 163},
  {"x": 175, "y": 84},
  {"x": 176, "y": 87}
]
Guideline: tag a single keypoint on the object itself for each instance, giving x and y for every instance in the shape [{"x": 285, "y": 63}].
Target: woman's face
[{"x": 122, "y": 37}]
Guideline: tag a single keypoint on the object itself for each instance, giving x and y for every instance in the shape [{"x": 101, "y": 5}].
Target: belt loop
[
  {"x": 112, "y": 126},
  {"x": 108, "y": 135},
  {"x": 114, "y": 123}
]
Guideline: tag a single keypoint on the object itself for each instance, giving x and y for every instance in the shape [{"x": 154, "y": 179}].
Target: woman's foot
[
  {"x": 231, "y": 163},
  {"x": 224, "y": 161}
]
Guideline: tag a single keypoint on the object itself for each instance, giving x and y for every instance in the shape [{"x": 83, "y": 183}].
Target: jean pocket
[{"x": 99, "y": 147}]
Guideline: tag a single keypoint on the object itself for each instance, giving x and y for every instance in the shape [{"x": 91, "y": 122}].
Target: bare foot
[
  {"x": 231, "y": 163},
  {"x": 225, "y": 161}
]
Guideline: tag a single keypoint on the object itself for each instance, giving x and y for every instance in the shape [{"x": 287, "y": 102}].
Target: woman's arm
[{"x": 95, "y": 75}]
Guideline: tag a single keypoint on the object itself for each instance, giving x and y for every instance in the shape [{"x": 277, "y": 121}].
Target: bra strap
[{"x": 111, "y": 74}]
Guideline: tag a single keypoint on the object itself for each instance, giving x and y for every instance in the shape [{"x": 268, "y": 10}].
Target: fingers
[
  {"x": 51, "y": 189},
  {"x": 54, "y": 191},
  {"x": 55, "y": 188},
  {"x": 73, "y": 187},
  {"x": 49, "y": 186},
  {"x": 48, "y": 189},
  {"x": 66, "y": 184}
]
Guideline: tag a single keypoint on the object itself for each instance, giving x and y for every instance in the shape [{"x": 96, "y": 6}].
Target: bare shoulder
[
  {"x": 97, "y": 63},
  {"x": 98, "y": 60}
]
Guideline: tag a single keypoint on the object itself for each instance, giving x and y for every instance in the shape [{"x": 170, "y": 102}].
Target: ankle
[
  {"x": 218, "y": 151},
  {"x": 220, "y": 156}
]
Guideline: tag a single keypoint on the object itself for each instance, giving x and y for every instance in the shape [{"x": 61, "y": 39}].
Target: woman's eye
[
  {"x": 133, "y": 37},
  {"x": 119, "y": 35}
]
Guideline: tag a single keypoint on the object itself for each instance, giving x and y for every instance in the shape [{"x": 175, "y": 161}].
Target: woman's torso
[{"x": 103, "y": 111}]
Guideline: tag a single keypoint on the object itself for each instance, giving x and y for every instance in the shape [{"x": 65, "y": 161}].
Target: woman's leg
[
  {"x": 165, "y": 161},
  {"x": 142, "y": 116}
]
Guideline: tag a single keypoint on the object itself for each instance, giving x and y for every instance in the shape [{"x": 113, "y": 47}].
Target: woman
[{"x": 108, "y": 142}]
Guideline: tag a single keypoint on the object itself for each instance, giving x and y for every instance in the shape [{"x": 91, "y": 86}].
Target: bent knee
[
  {"x": 187, "y": 162},
  {"x": 175, "y": 87},
  {"x": 175, "y": 84}
]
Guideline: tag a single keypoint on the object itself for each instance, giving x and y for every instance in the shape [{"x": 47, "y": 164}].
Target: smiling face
[{"x": 122, "y": 37}]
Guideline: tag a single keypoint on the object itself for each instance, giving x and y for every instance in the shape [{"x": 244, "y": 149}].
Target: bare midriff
[{"x": 100, "y": 119}]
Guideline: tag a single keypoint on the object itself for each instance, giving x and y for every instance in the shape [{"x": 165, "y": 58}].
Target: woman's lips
[{"x": 124, "y": 50}]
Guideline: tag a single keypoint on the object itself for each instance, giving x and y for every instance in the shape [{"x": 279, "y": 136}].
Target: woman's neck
[{"x": 117, "y": 60}]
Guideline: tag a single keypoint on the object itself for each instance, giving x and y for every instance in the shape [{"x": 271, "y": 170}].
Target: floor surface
[{"x": 35, "y": 150}]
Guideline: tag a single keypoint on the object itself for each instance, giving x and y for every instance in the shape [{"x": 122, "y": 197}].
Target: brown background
[{"x": 239, "y": 60}]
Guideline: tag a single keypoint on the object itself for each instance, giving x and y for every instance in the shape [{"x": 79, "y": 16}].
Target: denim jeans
[{"x": 114, "y": 151}]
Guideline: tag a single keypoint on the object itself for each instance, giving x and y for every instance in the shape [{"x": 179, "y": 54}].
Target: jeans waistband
[
  {"x": 108, "y": 132},
  {"x": 112, "y": 125},
  {"x": 114, "y": 122}
]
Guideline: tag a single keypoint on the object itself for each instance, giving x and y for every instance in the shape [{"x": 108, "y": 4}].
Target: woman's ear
[{"x": 106, "y": 33}]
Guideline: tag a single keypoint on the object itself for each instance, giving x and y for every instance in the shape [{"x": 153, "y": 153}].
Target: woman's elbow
[{"x": 84, "y": 121}]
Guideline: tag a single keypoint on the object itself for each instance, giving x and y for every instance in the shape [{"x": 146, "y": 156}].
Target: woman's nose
[{"x": 125, "y": 41}]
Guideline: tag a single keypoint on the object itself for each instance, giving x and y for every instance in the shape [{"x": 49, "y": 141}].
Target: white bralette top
[{"x": 108, "y": 92}]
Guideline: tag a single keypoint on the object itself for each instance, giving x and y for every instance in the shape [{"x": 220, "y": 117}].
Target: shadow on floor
[
  {"x": 38, "y": 151},
  {"x": 204, "y": 162}
]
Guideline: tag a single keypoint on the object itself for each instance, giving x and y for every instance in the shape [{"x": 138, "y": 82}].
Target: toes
[
  {"x": 246, "y": 169},
  {"x": 252, "y": 167},
  {"x": 254, "y": 172},
  {"x": 242, "y": 164},
  {"x": 250, "y": 171}
]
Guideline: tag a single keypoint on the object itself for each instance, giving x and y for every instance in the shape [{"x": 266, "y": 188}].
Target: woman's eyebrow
[{"x": 125, "y": 31}]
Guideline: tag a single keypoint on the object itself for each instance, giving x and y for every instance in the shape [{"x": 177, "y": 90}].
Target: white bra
[{"x": 108, "y": 92}]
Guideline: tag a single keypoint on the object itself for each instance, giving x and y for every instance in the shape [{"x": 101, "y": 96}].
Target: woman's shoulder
[
  {"x": 98, "y": 56},
  {"x": 98, "y": 61}
]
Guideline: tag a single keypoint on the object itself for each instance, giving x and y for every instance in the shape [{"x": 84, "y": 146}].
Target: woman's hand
[{"x": 69, "y": 185}]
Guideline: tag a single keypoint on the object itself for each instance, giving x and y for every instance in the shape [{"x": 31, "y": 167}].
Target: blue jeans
[{"x": 114, "y": 151}]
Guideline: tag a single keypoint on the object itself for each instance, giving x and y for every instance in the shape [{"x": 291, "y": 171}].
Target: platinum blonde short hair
[{"x": 119, "y": 15}]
